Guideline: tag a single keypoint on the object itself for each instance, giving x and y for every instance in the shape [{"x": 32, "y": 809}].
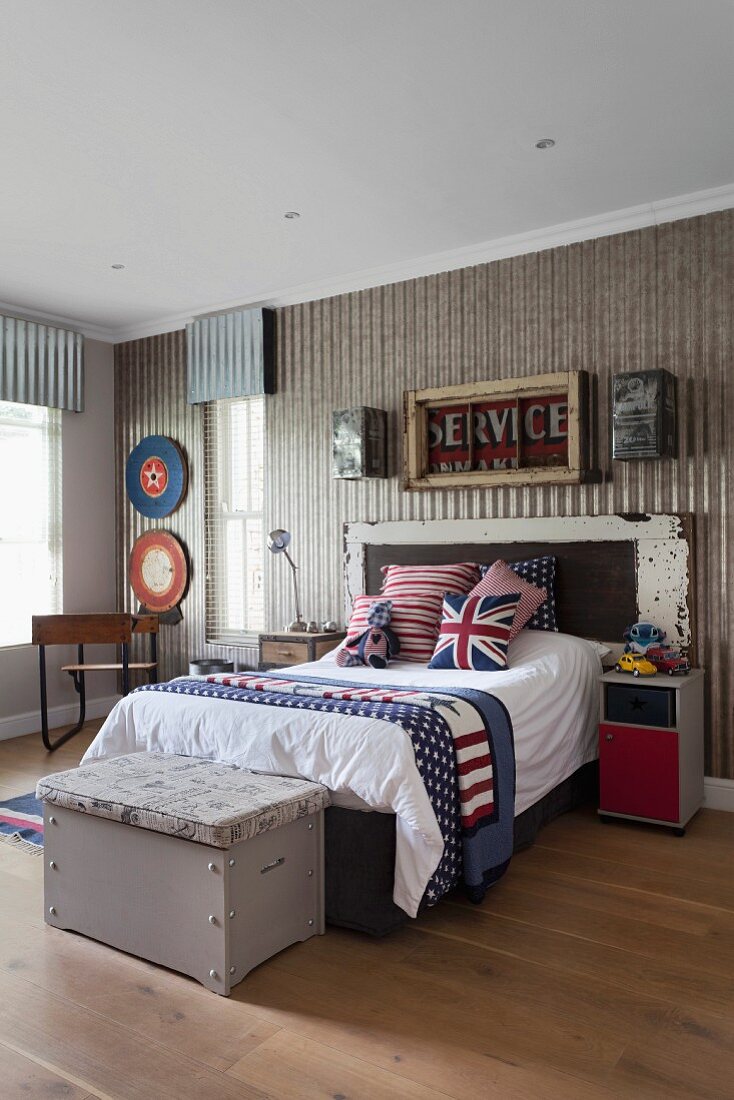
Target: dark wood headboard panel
[
  {"x": 611, "y": 569},
  {"x": 596, "y": 593}
]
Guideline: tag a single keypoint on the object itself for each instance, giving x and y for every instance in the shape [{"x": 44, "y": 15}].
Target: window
[
  {"x": 234, "y": 447},
  {"x": 30, "y": 518}
]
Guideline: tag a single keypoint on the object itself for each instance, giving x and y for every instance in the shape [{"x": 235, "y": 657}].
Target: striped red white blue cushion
[
  {"x": 404, "y": 579},
  {"x": 475, "y": 632},
  {"x": 415, "y": 619},
  {"x": 500, "y": 579},
  {"x": 542, "y": 573}
]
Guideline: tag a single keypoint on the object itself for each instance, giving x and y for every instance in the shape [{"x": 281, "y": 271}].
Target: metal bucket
[{"x": 207, "y": 667}]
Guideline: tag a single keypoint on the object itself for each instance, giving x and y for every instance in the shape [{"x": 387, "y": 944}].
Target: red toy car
[{"x": 668, "y": 660}]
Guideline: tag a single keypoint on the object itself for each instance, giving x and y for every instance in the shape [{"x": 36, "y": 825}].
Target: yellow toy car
[{"x": 636, "y": 664}]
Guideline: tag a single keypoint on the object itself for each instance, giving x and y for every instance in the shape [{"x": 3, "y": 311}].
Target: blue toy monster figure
[{"x": 640, "y": 636}]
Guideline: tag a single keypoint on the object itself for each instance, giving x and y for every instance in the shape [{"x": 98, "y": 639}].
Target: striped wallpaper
[
  {"x": 150, "y": 398},
  {"x": 658, "y": 297}
]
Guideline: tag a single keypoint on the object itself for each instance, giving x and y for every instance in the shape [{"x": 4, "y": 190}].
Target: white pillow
[{"x": 599, "y": 648}]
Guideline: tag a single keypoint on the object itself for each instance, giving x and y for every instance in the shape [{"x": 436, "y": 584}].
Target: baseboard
[
  {"x": 718, "y": 794},
  {"x": 19, "y": 724}
]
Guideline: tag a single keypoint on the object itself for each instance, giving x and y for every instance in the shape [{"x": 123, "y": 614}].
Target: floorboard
[
  {"x": 602, "y": 966},
  {"x": 25, "y": 1076}
]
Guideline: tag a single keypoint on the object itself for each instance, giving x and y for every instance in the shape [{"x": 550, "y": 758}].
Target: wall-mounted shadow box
[
  {"x": 643, "y": 415},
  {"x": 359, "y": 443},
  {"x": 520, "y": 431}
]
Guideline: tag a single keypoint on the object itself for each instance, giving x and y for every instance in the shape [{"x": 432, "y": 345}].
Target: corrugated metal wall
[
  {"x": 150, "y": 398},
  {"x": 660, "y": 297}
]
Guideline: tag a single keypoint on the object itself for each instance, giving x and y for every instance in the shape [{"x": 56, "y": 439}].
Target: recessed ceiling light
[
  {"x": 545, "y": 143},
  {"x": 118, "y": 267},
  {"x": 291, "y": 214}
]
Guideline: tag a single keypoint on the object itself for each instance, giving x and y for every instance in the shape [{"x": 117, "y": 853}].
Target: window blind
[
  {"x": 234, "y": 460},
  {"x": 30, "y": 518}
]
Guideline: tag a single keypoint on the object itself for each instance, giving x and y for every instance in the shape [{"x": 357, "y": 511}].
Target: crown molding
[
  {"x": 583, "y": 229},
  {"x": 54, "y": 320}
]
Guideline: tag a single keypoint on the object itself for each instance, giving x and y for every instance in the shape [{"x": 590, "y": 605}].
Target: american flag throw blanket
[{"x": 464, "y": 753}]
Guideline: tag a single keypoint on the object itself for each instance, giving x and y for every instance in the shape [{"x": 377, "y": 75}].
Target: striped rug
[{"x": 21, "y": 823}]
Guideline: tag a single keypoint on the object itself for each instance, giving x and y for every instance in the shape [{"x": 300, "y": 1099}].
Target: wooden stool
[{"x": 95, "y": 629}]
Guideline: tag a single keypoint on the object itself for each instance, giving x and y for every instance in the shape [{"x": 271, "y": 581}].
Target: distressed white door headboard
[{"x": 662, "y": 553}]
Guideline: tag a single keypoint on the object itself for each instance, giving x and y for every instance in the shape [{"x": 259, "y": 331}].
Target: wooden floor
[{"x": 601, "y": 966}]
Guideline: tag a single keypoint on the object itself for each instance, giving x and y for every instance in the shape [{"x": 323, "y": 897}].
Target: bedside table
[
  {"x": 651, "y": 748},
  {"x": 291, "y": 648}
]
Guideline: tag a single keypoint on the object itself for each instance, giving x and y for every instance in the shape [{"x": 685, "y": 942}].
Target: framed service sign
[{"x": 511, "y": 432}]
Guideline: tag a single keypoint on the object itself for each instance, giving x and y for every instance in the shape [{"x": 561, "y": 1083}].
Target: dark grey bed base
[{"x": 360, "y": 854}]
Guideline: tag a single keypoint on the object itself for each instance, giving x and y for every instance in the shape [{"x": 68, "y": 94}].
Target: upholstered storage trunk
[{"x": 194, "y": 865}]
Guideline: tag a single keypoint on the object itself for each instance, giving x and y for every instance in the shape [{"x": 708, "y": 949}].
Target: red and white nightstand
[{"x": 651, "y": 748}]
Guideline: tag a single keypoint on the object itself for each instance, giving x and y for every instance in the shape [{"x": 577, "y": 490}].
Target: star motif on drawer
[{"x": 638, "y": 704}]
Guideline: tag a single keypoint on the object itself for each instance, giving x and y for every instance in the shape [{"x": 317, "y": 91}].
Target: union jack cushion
[
  {"x": 475, "y": 632},
  {"x": 500, "y": 578},
  {"x": 415, "y": 619},
  {"x": 406, "y": 579}
]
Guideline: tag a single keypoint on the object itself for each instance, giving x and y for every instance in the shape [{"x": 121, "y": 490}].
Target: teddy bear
[{"x": 376, "y": 645}]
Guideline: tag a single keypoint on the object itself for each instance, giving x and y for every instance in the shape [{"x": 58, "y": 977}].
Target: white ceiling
[{"x": 172, "y": 135}]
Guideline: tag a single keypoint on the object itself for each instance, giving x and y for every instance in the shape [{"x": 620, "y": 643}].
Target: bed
[{"x": 383, "y": 838}]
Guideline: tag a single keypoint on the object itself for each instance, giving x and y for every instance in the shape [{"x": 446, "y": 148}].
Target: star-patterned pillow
[{"x": 542, "y": 573}]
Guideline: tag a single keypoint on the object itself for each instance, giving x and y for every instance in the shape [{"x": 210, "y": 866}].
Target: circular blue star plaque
[{"x": 156, "y": 476}]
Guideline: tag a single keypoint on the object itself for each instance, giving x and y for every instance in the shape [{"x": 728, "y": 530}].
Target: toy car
[
  {"x": 636, "y": 664},
  {"x": 667, "y": 659}
]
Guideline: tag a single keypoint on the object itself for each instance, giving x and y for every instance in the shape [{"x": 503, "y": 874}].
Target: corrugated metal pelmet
[
  {"x": 41, "y": 365},
  {"x": 659, "y": 297},
  {"x": 225, "y": 355}
]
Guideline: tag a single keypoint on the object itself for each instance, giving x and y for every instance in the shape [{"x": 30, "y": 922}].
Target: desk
[{"x": 99, "y": 628}]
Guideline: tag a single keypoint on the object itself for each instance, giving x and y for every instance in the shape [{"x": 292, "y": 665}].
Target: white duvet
[{"x": 549, "y": 691}]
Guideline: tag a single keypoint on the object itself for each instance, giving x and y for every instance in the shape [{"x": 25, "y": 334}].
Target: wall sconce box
[
  {"x": 643, "y": 415},
  {"x": 359, "y": 443}
]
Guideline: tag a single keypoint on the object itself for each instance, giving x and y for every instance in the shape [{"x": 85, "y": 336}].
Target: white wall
[{"x": 88, "y": 504}]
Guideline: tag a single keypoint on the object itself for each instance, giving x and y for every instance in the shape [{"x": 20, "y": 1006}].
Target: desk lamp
[{"x": 278, "y": 544}]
